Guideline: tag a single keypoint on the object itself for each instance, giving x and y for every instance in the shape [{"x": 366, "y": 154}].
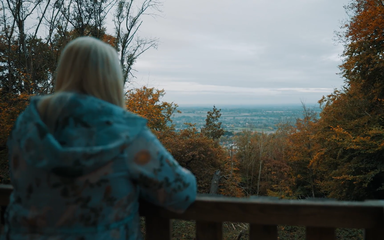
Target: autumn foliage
[
  {"x": 340, "y": 153},
  {"x": 263, "y": 167},
  {"x": 191, "y": 148},
  {"x": 11, "y": 105},
  {"x": 352, "y": 119},
  {"x": 146, "y": 103},
  {"x": 337, "y": 154}
]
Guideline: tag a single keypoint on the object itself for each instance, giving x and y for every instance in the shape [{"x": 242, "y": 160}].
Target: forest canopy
[{"x": 335, "y": 155}]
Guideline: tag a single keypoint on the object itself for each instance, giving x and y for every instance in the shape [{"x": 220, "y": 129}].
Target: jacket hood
[{"x": 86, "y": 135}]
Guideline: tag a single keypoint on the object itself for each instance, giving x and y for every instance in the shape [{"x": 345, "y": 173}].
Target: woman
[{"x": 79, "y": 162}]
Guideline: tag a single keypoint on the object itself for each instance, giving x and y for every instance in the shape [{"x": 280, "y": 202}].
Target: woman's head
[{"x": 90, "y": 66}]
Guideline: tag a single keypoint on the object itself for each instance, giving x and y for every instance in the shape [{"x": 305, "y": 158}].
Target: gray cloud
[{"x": 247, "y": 50}]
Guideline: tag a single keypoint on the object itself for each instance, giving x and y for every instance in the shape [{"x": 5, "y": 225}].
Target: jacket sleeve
[{"x": 161, "y": 180}]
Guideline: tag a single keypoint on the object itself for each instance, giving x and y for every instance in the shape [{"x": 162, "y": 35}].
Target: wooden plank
[
  {"x": 313, "y": 233},
  {"x": 331, "y": 214},
  {"x": 2, "y": 220},
  {"x": 265, "y": 232},
  {"x": 157, "y": 228},
  {"x": 5, "y": 192},
  {"x": 209, "y": 230},
  {"x": 374, "y": 233}
]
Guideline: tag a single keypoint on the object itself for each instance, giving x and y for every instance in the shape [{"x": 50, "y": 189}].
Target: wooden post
[
  {"x": 2, "y": 212},
  {"x": 265, "y": 232},
  {"x": 157, "y": 228},
  {"x": 5, "y": 192},
  {"x": 317, "y": 233},
  {"x": 374, "y": 234},
  {"x": 377, "y": 232},
  {"x": 215, "y": 182},
  {"x": 209, "y": 230}
]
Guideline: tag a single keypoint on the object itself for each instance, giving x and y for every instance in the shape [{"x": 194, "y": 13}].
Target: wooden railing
[{"x": 321, "y": 218}]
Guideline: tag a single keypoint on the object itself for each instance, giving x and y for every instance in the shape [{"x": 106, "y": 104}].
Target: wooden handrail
[{"x": 320, "y": 218}]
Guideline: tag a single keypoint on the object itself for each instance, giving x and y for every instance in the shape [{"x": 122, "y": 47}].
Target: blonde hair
[{"x": 88, "y": 66}]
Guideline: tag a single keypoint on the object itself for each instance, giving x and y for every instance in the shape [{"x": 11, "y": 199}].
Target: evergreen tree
[{"x": 212, "y": 128}]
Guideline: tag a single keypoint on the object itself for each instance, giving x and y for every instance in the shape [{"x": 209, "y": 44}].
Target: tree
[
  {"x": 28, "y": 56},
  {"x": 212, "y": 128},
  {"x": 364, "y": 46},
  {"x": 263, "y": 166},
  {"x": 203, "y": 157},
  {"x": 262, "y": 142},
  {"x": 24, "y": 59},
  {"x": 10, "y": 107},
  {"x": 191, "y": 149},
  {"x": 300, "y": 152},
  {"x": 127, "y": 23},
  {"x": 246, "y": 155},
  {"x": 146, "y": 103},
  {"x": 351, "y": 148},
  {"x": 277, "y": 172},
  {"x": 196, "y": 153},
  {"x": 352, "y": 119}
]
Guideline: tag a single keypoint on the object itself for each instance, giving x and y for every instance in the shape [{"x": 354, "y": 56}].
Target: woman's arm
[{"x": 161, "y": 179}]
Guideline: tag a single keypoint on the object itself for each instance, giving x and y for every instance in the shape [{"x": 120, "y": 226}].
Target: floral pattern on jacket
[{"x": 81, "y": 176}]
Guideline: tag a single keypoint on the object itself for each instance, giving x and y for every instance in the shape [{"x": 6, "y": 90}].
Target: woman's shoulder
[{"x": 80, "y": 108}]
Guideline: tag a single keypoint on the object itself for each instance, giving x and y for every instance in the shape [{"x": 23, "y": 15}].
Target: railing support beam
[
  {"x": 157, "y": 228},
  {"x": 209, "y": 230},
  {"x": 374, "y": 234},
  {"x": 265, "y": 232},
  {"x": 316, "y": 233}
]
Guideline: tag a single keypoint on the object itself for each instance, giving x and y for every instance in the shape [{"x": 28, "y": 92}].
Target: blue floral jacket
[{"x": 82, "y": 177}]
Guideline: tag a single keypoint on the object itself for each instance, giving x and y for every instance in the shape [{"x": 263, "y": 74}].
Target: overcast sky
[{"x": 243, "y": 52}]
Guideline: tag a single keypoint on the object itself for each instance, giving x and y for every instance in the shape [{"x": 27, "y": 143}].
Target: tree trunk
[
  {"x": 259, "y": 177},
  {"x": 215, "y": 182}
]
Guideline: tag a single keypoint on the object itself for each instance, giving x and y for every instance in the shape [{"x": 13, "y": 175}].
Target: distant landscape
[
  {"x": 270, "y": 53},
  {"x": 263, "y": 118}
]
